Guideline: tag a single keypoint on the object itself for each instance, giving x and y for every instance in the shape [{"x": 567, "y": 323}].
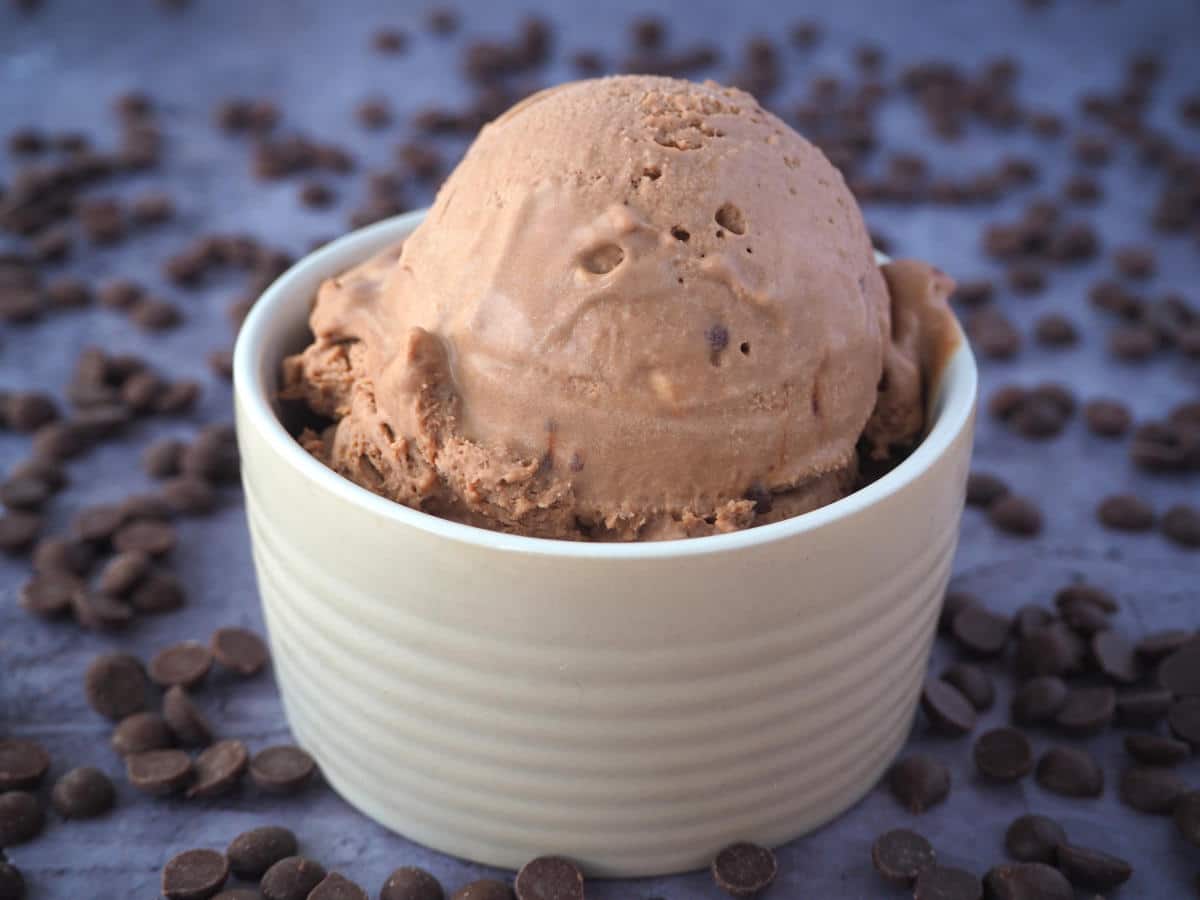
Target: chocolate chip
[
  {"x": 980, "y": 631},
  {"x": 123, "y": 572},
  {"x": 948, "y": 711},
  {"x": 1143, "y": 707},
  {"x": 1027, "y": 881},
  {"x": 282, "y": 769},
  {"x": 27, "y": 411},
  {"x": 741, "y": 870},
  {"x": 98, "y": 611},
  {"x": 900, "y": 855},
  {"x": 1181, "y": 524},
  {"x": 66, "y": 292},
  {"x": 389, "y": 41},
  {"x": 1180, "y": 672},
  {"x": 194, "y": 875},
  {"x": 23, "y": 764},
  {"x": 219, "y": 768},
  {"x": 1055, "y": 330},
  {"x": 120, "y": 293},
  {"x": 49, "y": 594},
  {"x": 21, "y": 818},
  {"x": 1087, "y": 710},
  {"x": 115, "y": 685},
  {"x": 974, "y": 683},
  {"x": 151, "y": 537},
  {"x": 484, "y": 889},
  {"x": 1106, "y": 417},
  {"x": 1187, "y": 817},
  {"x": 1083, "y": 617},
  {"x": 1134, "y": 343},
  {"x": 292, "y": 878},
  {"x": 1092, "y": 869},
  {"x": 973, "y": 293},
  {"x": 178, "y": 397},
  {"x": 185, "y": 664},
  {"x": 185, "y": 720},
  {"x": 952, "y": 604},
  {"x": 12, "y": 882},
  {"x": 1016, "y": 515},
  {"x": 83, "y": 793},
  {"x": 1003, "y": 754},
  {"x": 239, "y": 650},
  {"x": 98, "y": 523},
  {"x": 1026, "y": 278},
  {"x": 213, "y": 456},
  {"x": 1033, "y": 838},
  {"x": 158, "y": 592},
  {"x": 994, "y": 335},
  {"x": 374, "y": 114},
  {"x": 442, "y": 21},
  {"x": 154, "y": 314},
  {"x": 1116, "y": 657},
  {"x": 24, "y": 493},
  {"x": 1125, "y": 512},
  {"x": 140, "y": 733},
  {"x": 1030, "y": 618},
  {"x": 1184, "y": 719},
  {"x": 253, "y": 852},
  {"x": 1151, "y": 789},
  {"x": 1134, "y": 262},
  {"x": 1071, "y": 772},
  {"x": 158, "y": 772},
  {"x": 984, "y": 488},
  {"x": 338, "y": 887},
  {"x": 18, "y": 531},
  {"x": 919, "y": 781},
  {"x": 555, "y": 878},
  {"x": 411, "y": 883},
  {"x": 947, "y": 883},
  {"x": 1156, "y": 750}
]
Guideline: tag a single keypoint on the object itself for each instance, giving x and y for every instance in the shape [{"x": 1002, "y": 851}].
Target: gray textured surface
[{"x": 61, "y": 69}]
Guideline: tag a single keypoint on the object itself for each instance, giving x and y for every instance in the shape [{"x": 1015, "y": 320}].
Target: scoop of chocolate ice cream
[{"x": 639, "y": 308}]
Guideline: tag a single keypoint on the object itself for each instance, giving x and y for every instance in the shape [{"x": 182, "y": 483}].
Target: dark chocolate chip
[
  {"x": 1071, "y": 772},
  {"x": 1003, "y": 754},
  {"x": 98, "y": 611},
  {"x": 980, "y": 631},
  {"x": 185, "y": 664},
  {"x": 411, "y": 883},
  {"x": 1143, "y": 707},
  {"x": 219, "y": 768},
  {"x": 555, "y": 878},
  {"x": 282, "y": 769},
  {"x": 984, "y": 488},
  {"x": 1184, "y": 719},
  {"x": 900, "y": 855},
  {"x": 1106, "y": 417},
  {"x": 1156, "y": 750},
  {"x": 115, "y": 685},
  {"x": 484, "y": 889},
  {"x": 158, "y": 592},
  {"x": 1027, "y": 881},
  {"x": 187, "y": 723},
  {"x": 1087, "y": 710},
  {"x": 1151, "y": 789},
  {"x": 158, "y": 772},
  {"x": 1034, "y": 838},
  {"x": 1092, "y": 869},
  {"x": 1180, "y": 672},
  {"x": 1158, "y": 645},
  {"x": 194, "y": 875},
  {"x": 337, "y": 887},
  {"x": 50, "y": 594},
  {"x": 21, "y": 818},
  {"x": 1055, "y": 330},
  {"x": 23, "y": 764},
  {"x": 1053, "y": 650},
  {"x": 253, "y": 852},
  {"x": 239, "y": 650},
  {"x": 154, "y": 538},
  {"x": 741, "y": 870},
  {"x": 140, "y": 733},
  {"x": 947, "y": 883},
  {"x": 919, "y": 782},
  {"x": 1116, "y": 657},
  {"x": 123, "y": 572},
  {"x": 946, "y": 708},
  {"x": 12, "y": 882},
  {"x": 1016, "y": 515},
  {"x": 952, "y": 604},
  {"x": 1181, "y": 525},
  {"x": 974, "y": 683},
  {"x": 83, "y": 793},
  {"x": 1125, "y": 512},
  {"x": 292, "y": 878},
  {"x": 19, "y": 530}
]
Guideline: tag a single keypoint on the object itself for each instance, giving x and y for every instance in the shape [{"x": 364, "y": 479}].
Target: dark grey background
[{"x": 61, "y": 69}]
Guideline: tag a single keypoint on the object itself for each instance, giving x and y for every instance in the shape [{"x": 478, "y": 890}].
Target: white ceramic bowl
[{"x": 633, "y": 706}]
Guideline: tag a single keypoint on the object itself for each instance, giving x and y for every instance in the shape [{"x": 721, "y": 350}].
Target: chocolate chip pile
[{"x": 1063, "y": 223}]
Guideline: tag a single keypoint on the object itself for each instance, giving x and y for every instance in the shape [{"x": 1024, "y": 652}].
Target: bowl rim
[{"x": 953, "y": 404}]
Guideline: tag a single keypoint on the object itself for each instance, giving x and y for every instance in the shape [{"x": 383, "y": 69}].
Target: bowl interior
[{"x": 278, "y": 326}]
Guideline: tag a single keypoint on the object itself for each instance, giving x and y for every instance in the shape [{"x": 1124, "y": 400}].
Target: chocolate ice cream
[{"x": 640, "y": 308}]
